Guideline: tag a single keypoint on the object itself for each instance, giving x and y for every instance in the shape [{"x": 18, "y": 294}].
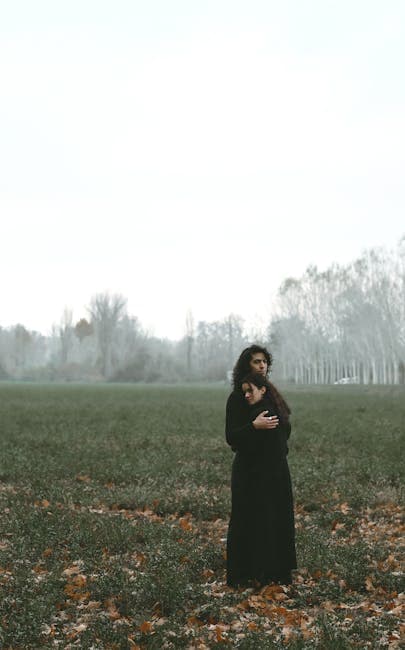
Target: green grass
[{"x": 115, "y": 501}]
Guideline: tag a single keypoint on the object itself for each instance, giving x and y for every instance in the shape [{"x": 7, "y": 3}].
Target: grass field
[{"x": 114, "y": 508}]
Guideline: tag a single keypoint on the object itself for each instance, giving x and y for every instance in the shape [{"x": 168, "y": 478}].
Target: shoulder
[
  {"x": 267, "y": 403},
  {"x": 234, "y": 398},
  {"x": 235, "y": 401}
]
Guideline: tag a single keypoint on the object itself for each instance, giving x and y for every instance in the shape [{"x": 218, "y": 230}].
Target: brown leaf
[
  {"x": 272, "y": 592},
  {"x": 76, "y": 594},
  {"x": 220, "y": 638},
  {"x": 76, "y": 630},
  {"x": 75, "y": 568},
  {"x": 92, "y": 604},
  {"x": 43, "y": 504},
  {"x": 329, "y": 606},
  {"x": 38, "y": 568},
  {"x": 252, "y": 626},
  {"x": 287, "y": 632},
  {"x": 146, "y": 627},
  {"x": 79, "y": 580},
  {"x": 185, "y": 524},
  {"x": 114, "y": 614}
]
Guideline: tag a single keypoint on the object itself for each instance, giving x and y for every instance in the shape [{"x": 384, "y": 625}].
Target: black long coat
[{"x": 261, "y": 540}]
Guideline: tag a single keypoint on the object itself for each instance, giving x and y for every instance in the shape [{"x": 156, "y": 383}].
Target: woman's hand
[{"x": 264, "y": 422}]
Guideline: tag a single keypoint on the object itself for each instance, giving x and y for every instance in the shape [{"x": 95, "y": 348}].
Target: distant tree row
[
  {"x": 347, "y": 322},
  {"x": 108, "y": 344}
]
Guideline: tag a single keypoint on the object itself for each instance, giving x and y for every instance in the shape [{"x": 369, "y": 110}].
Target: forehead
[
  {"x": 248, "y": 387},
  {"x": 258, "y": 356}
]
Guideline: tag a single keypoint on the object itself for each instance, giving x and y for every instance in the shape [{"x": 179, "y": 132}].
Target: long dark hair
[
  {"x": 242, "y": 371},
  {"x": 258, "y": 380},
  {"x": 242, "y": 366}
]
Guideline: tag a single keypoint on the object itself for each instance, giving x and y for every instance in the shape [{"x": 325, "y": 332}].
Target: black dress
[{"x": 261, "y": 539}]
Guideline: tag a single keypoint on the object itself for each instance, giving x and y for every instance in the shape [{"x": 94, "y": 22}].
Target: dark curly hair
[
  {"x": 240, "y": 377},
  {"x": 242, "y": 366},
  {"x": 258, "y": 380}
]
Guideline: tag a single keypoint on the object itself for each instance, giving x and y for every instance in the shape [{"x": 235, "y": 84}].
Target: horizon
[{"x": 194, "y": 156}]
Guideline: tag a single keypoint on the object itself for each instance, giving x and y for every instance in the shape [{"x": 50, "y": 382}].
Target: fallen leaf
[
  {"x": 252, "y": 625},
  {"x": 83, "y": 477},
  {"x": 288, "y": 632},
  {"x": 79, "y": 580},
  {"x": 185, "y": 524},
  {"x": 38, "y": 568},
  {"x": 220, "y": 638},
  {"x": 146, "y": 627},
  {"x": 92, "y": 604},
  {"x": 112, "y": 610},
  {"x": 75, "y": 568},
  {"x": 76, "y": 593}
]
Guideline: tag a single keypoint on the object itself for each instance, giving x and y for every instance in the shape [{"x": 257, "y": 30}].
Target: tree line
[
  {"x": 343, "y": 324},
  {"x": 346, "y": 322}
]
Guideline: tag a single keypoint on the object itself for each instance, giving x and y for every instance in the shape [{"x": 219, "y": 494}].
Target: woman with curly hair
[{"x": 261, "y": 539}]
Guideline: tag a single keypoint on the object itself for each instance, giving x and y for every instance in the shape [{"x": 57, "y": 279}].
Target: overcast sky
[{"x": 192, "y": 154}]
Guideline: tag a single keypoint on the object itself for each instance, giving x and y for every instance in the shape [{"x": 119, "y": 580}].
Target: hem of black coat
[{"x": 282, "y": 579}]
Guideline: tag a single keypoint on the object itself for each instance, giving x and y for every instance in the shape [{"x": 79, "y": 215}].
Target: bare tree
[
  {"x": 66, "y": 333},
  {"x": 22, "y": 343},
  {"x": 190, "y": 333},
  {"x": 106, "y": 310},
  {"x": 344, "y": 322}
]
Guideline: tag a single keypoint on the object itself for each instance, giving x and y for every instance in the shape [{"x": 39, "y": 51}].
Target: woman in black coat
[{"x": 261, "y": 540}]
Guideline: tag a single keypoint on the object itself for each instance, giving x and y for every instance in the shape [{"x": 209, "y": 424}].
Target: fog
[
  {"x": 342, "y": 325},
  {"x": 191, "y": 157}
]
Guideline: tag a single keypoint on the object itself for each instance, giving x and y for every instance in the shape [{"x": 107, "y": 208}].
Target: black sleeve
[
  {"x": 239, "y": 431},
  {"x": 238, "y": 427},
  {"x": 287, "y": 429},
  {"x": 284, "y": 428},
  {"x": 284, "y": 434}
]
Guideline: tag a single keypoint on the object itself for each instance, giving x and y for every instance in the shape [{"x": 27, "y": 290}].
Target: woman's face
[
  {"x": 258, "y": 363},
  {"x": 252, "y": 393}
]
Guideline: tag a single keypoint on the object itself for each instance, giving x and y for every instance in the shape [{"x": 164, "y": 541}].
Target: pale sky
[{"x": 193, "y": 154}]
